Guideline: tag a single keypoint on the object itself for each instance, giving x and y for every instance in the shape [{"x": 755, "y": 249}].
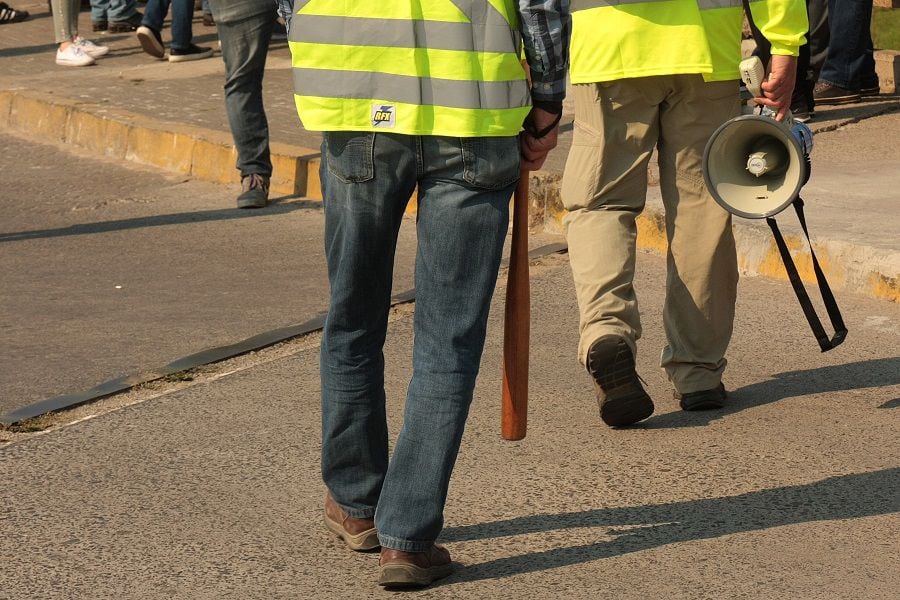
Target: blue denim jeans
[
  {"x": 245, "y": 44},
  {"x": 850, "y": 63},
  {"x": 182, "y": 13},
  {"x": 463, "y": 214},
  {"x": 113, "y": 10}
]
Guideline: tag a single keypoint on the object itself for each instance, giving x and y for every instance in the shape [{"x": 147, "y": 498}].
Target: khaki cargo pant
[{"x": 617, "y": 126}]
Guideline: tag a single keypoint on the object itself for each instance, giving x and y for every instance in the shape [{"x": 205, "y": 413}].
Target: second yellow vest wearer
[
  {"x": 416, "y": 67},
  {"x": 619, "y": 39}
]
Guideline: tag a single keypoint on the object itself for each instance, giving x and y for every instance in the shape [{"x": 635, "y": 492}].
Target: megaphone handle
[{"x": 834, "y": 313}]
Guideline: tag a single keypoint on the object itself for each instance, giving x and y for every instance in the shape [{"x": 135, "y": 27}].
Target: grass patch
[{"x": 886, "y": 28}]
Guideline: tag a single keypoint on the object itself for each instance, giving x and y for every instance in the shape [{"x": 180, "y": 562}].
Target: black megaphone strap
[{"x": 834, "y": 313}]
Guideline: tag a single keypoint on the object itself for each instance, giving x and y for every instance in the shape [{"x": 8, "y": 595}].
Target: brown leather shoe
[
  {"x": 358, "y": 534},
  {"x": 413, "y": 569}
]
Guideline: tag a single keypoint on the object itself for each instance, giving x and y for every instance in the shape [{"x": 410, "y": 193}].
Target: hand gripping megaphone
[{"x": 755, "y": 167}]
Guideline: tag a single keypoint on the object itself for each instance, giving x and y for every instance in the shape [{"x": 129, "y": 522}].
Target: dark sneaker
[
  {"x": 398, "y": 569},
  {"x": 828, "y": 93},
  {"x": 8, "y": 14},
  {"x": 358, "y": 534},
  {"x": 801, "y": 112},
  {"x": 151, "y": 41},
  {"x": 255, "y": 192},
  {"x": 192, "y": 52},
  {"x": 128, "y": 25},
  {"x": 703, "y": 400},
  {"x": 99, "y": 26},
  {"x": 623, "y": 400}
]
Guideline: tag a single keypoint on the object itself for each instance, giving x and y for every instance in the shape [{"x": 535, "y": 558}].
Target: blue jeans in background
[
  {"x": 182, "y": 14},
  {"x": 245, "y": 44},
  {"x": 463, "y": 214},
  {"x": 112, "y": 10},
  {"x": 850, "y": 63}
]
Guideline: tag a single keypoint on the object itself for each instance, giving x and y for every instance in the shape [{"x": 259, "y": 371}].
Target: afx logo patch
[{"x": 383, "y": 115}]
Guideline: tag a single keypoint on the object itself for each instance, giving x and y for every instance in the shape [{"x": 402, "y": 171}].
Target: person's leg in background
[
  {"x": 208, "y": 19},
  {"x": 99, "y": 15},
  {"x": 245, "y": 45},
  {"x": 123, "y": 16},
  {"x": 849, "y": 64},
  {"x": 73, "y": 50},
  {"x": 149, "y": 34},
  {"x": 818, "y": 37}
]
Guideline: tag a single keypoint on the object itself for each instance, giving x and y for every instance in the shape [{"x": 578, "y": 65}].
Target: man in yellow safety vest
[
  {"x": 426, "y": 94},
  {"x": 659, "y": 74}
]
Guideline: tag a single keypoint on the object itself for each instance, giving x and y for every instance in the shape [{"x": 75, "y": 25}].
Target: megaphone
[{"x": 755, "y": 167}]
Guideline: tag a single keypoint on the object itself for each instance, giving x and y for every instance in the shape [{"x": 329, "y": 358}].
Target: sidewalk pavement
[{"x": 171, "y": 116}]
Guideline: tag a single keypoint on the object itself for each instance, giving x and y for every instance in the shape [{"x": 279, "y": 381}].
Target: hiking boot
[
  {"x": 703, "y": 400},
  {"x": 398, "y": 569},
  {"x": 255, "y": 192},
  {"x": 623, "y": 400},
  {"x": 828, "y": 93},
  {"x": 128, "y": 25},
  {"x": 358, "y": 534},
  {"x": 192, "y": 52},
  {"x": 151, "y": 41}
]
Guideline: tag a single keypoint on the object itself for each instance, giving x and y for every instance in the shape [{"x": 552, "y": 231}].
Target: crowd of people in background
[{"x": 123, "y": 16}]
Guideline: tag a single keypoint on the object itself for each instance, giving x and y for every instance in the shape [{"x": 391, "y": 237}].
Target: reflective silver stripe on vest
[
  {"x": 708, "y": 4},
  {"x": 701, "y": 4},
  {"x": 410, "y": 89},
  {"x": 401, "y": 33}
]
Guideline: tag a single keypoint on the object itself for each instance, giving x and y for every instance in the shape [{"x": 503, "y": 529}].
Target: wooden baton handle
[{"x": 517, "y": 322}]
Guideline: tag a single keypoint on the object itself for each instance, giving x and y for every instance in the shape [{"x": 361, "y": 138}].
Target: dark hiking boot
[
  {"x": 703, "y": 400},
  {"x": 623, "y": 400}
]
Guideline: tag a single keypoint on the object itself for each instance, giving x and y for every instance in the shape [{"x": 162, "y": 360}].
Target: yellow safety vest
[
  {"x": 618, "y": 39},
  {"x": 416, "y": 67}
]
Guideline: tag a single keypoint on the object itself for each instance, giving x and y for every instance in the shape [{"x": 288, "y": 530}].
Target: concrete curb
[{"x": 209, "y": 155}]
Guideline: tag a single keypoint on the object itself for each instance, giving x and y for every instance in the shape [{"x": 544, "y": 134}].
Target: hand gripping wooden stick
[{"x": 517, "y": 322}]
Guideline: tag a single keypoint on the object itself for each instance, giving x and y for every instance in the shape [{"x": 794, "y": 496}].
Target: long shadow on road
[
  {"x": 644, "y": 527},
  {"x": 276, "y": 208}
]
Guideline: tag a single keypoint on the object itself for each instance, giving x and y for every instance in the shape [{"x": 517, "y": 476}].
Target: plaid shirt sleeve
[
  {"x": 546, "y": 26},
  {"x": 285, "y": 11}
]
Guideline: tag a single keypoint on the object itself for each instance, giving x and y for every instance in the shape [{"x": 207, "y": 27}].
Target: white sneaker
[
  {"x": 90, "y": 48},
  {"x": 73, "y": 56}
]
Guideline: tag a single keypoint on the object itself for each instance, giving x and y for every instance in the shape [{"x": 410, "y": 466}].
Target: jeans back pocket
[
  {"x": 350, "y": 155},
  {"x": 491, "y": 163}
]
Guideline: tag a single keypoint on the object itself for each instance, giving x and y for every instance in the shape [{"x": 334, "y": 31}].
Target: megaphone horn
[{"x": 755, "y": 166}]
